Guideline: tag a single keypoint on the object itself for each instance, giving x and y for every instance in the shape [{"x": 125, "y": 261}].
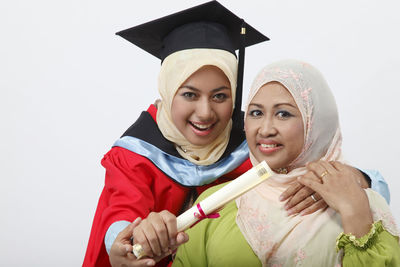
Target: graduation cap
[{"x": 209, "y": 25}]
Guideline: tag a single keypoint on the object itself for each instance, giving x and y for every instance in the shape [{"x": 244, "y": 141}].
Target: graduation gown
[{"x": 145, "y": 173}]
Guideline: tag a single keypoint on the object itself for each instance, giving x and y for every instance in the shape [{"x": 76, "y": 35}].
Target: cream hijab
[
  {"x": 281, "y": 240},
  {"x": 275, "y": 237},
  {"x": 322, "y": 137},
  {"x": 175, "y": 69}
]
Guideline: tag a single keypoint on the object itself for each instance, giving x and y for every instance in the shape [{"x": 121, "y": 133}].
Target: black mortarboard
[{"x": 209, "y": 25}]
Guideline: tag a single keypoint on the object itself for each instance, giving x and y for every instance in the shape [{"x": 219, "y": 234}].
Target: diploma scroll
[
  {"x": 205, "y": 208},
  {"x": 220, "y": 198}
]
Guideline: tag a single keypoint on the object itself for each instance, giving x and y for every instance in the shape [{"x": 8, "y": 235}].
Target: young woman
[
  {"x": 189, "y": 141},
  {"x": 291, "y": 120}
]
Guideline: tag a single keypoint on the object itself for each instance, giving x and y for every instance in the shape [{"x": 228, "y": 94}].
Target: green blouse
[{"x": 219, "y": 242}]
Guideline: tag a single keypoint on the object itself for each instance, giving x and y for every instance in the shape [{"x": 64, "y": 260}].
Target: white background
[{"x": 69, "y": 88}]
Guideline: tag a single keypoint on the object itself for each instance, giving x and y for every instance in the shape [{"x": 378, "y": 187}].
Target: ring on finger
[
  {"x": 323, "y": 174},
  {"x": 138, "y": 251},
  {"x": 313, "y": 198}
]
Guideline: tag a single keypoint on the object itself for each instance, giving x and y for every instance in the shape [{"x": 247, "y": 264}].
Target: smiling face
[
  {"x": 202, "y": 106},
  {"x": 274, "y": 126}
]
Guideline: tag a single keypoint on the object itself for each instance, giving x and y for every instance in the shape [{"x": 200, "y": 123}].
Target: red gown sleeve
[
  {"x": 127, "y": 194},
  {"x": 133, "y": 188}
]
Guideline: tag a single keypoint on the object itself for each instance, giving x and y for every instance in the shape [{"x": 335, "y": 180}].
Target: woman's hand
[
  {"x": 121, "y": 250},
  {"x": 333, "y": 182},
  {"x": 158, "y": 236},
  {"x": 299, "y": 198}
]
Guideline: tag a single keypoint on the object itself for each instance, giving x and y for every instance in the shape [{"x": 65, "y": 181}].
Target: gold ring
[
  {"x": 323, "y": 174},
  {"x": 313, "y": 198},
  {"x": 138, "y": 251}
]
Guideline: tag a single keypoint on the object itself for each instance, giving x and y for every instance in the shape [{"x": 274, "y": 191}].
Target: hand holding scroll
[{"x": 160, "y": 231}]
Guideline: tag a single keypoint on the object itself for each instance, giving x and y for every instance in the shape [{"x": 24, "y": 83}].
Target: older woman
[{"x": 291, "y": 119}]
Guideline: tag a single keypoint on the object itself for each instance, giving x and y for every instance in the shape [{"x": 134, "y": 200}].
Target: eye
[
  {"x": 220, "y": 97},
  {"x": 283, "y": 114},
  {"x": 189, "y": 95},
  {"x": 255, "y": 113}
]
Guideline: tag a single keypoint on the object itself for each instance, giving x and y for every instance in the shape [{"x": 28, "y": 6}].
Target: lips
[
  {"x": 201, "y": 129},
  {"x": 268, "y": 147}
]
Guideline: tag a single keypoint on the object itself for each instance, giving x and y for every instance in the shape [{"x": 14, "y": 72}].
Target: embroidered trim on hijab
[{"x": 274, "y": 236}]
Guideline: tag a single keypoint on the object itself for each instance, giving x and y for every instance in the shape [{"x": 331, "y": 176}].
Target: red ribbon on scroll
[{"x": 201, "y": 215}]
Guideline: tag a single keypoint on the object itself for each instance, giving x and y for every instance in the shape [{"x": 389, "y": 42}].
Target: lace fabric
[{"x": 363, "y": 242}]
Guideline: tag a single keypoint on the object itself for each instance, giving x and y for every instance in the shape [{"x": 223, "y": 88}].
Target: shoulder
[
  {"x": 118, "y": 152},
  {"x": 127, "y": 161},
  {"x": 381, "y": 212},
  {"x": 375, "y": 199},
  {"x": 145, "y": 131}
]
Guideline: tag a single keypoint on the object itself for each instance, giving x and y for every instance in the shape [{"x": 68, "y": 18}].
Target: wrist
[
  {"x": 356, "y": 205},
  {"x": 357, "y": 223}
]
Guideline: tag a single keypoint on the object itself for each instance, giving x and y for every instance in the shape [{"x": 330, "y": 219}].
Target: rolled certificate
[
  {"x": 218, "y": 199},
  {"x": 229, "y": 192}
]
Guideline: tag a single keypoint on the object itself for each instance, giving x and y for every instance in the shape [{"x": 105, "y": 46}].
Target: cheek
[
  {"x": 225, "y": 111},
  {"x": 178, "y": 111},
  {"x": 251, "y": 129},
  {"x": 297, "y": 136}
]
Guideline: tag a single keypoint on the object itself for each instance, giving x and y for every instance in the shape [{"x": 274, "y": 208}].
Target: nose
[
  {"x": 204, "y": 110},
  {"x": 267, "y": 128}
]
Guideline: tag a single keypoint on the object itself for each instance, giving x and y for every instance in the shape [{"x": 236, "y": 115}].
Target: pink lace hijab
[{"x": 278, "y": 239}]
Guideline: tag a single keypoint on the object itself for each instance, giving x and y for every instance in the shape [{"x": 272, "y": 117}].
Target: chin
[
  {"x": 199, "y": 142},
  {"x": 273, "y": 165}
]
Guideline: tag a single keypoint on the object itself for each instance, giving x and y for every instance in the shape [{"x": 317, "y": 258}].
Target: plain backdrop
[{"x": 69, "y": 88}]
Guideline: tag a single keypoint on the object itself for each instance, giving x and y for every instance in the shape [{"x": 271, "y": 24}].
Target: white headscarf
[
  {"x": 275, "y": 237},
  {"x": 315, "y": 102},
  {"x": 175, "y": 69}
]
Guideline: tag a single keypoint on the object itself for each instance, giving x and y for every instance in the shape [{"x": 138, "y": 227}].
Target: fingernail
[
  {"x": 150, "y": 263},
  {"x": 302, "y": 213},
  {"x": 281, "y": 198},
  {"x": 137, "y": 219},
  {"x": 290, "y": 212},
  {"x": 286, "y": 206}
]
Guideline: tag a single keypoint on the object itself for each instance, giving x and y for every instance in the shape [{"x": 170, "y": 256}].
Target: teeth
[
  {"x": 269, "y": 145},
  {"x": 202, "y": 126}
]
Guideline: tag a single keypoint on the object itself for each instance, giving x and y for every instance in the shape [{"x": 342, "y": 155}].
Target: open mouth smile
[
  {"x": 269, "y": 148},
  {"x": 201, "y": 129},
  {"x": 269, "y": 145}
]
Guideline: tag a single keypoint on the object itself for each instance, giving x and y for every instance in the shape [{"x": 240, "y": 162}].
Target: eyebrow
[
  {"x": 257, "y": 105},
  {"x": 213, "y": 90},
  {"x": 286, "y": 104},
  {"x": 275, "y": 106}
]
